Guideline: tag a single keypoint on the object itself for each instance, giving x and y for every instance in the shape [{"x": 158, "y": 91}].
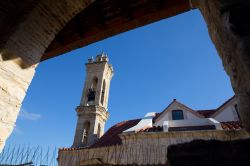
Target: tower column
[{"x": 92, "y": 112}]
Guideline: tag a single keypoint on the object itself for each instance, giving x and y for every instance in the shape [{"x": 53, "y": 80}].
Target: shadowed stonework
[{"x": 207, "y": 153}]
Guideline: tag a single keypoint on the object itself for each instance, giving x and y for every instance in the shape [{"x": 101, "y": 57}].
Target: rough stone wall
[
  {"x": 228, "y": 26},
  {"x": 141, "y": 148},
  {"x": 14, "y": 83}
]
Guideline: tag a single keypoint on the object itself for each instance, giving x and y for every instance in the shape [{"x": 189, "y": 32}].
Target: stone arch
[
  {"x": 29, "y": 37},
  {"x": 94, "y": 83},
  {"x": 27, "y": 30},
  {"x": 99, "y": 129},
  {"x": 91, "y": 95},
  {"x": 85, "y": 132},
  {"x": 38, "y": 28}
]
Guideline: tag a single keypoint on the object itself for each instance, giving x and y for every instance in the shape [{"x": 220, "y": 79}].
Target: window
[
  {"x": 92, "y": 90},
  {"x": 103, "y": 91},
  {"x": 94, "y": 83},
  {"x": 85, "y": 132},
  {"x": 177, "y": 115},
  {"x": 99, "y": 131}
]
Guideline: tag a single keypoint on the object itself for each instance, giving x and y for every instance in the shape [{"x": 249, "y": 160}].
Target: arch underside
[
  {"x": 39, "y": 30},
  {"x": 106, "y": 18}
]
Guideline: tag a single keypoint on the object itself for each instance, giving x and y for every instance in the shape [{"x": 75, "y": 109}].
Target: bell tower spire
[{"x": 92, "y": 112}]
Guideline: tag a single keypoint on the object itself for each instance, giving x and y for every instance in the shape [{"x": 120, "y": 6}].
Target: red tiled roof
[
  {"x": 111, "y": 136},
  {"x": 232, "y": 125},
  {"x": 207, "y": 113}
]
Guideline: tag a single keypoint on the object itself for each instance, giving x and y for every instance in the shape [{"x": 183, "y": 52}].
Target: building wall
[
  {"x": 140, "y": 148},
  {"x": 225, "y": 113},
  {"x": 191, "y": 116},
  {"x": 168, "y": 114},
  {"x": 228, "y": 114},
  {"x": 14, "y": 82}
]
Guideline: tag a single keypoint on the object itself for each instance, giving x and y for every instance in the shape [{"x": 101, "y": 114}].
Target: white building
[{"x": 178, "y": 117}]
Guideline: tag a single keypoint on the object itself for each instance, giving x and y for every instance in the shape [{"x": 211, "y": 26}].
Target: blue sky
[{"x": 172, "y": 58}]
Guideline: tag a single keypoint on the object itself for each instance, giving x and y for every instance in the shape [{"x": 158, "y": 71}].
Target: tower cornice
[{"x": 94, "y": 110}]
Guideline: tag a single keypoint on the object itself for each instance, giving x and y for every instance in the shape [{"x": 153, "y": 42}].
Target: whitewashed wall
[
  {"x": 167, "y": 115},
  {"x": 228, "y": 113}
]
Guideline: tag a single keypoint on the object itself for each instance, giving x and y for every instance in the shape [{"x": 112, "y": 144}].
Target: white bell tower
[{"x": 92, "y": 112}]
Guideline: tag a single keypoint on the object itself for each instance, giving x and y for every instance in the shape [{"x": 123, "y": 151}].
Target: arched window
[
  {"x": 94, "y": 83},
  {"x": 99, "y": 131},
  {"x": 103, "y": 91},
  {"x": 177, "y": 115},
  {"x": 85, "y": 132},
  {"x": 92, "y": 90}
]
